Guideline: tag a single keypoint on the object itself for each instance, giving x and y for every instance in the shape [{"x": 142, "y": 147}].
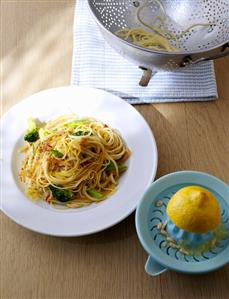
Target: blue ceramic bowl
[{"x": 151, "y": 210}]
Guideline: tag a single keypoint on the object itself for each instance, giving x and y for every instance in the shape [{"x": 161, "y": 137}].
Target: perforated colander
[
  {"x": 149, "y": 214},
  {"x": 197, "y": 45}
]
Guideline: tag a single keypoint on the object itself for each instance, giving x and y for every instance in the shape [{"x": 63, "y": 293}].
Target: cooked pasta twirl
[{"x": 72, "y": 161}]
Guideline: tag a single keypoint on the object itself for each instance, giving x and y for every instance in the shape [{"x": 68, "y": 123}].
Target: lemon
[{"x": 194, "y": 209}]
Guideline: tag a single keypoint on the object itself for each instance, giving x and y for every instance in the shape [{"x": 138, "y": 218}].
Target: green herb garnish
[
  {"x": 81, "y": 133},
  {"x": 111, "y": 166},
  {"x": 77, "y": 123},
  {"x": 94, "y": 193},
  {"x": 57, "y": 154}
]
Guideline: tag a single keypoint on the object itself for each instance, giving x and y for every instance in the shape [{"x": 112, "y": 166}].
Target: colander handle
[
  {"x": 188, "y": 60},
  {"x": 153, "y": 268}
]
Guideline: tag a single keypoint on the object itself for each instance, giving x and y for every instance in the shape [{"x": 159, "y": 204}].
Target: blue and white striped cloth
[{"x": 96, "y": 64}]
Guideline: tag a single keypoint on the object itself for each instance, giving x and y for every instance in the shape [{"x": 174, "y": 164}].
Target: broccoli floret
[
  {"x": 32, "y": 136},
  {"x": 60, "y": 194},
  {"x": 32, "y": 133}
]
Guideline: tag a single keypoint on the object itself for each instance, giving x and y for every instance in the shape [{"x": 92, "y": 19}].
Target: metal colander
[
  {"x": 197, "y": 45},
  {"x": 149, "y": 214}
]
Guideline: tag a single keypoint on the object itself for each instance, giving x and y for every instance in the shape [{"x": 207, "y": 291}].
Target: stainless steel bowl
[{"x": 197, "y": 45}]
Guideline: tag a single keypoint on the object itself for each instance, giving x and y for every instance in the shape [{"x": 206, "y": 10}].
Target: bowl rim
[{"x": 166, "y": 53}]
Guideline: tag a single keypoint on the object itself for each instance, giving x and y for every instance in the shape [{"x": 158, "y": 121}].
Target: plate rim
[{"x": 102, "y": 92}]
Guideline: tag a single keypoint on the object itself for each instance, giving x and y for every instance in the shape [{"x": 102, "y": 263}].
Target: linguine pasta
[
  {"x": 146, "y": 39},
  {"x": 75, "y": 162},
  {"x": 159, "y": 37}
]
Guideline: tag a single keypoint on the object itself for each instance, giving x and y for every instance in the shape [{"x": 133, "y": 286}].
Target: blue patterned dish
[
  {"x": 151, "y": 211},
  {"x": 190, "y": 239}
]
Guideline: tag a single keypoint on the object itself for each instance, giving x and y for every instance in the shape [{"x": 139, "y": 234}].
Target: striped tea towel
[{"x": 96, "y": 64}]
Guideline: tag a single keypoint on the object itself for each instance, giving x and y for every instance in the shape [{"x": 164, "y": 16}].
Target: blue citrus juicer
[
  {"x": 151, "y": 214},
  {"x": 191, "y": 239}
]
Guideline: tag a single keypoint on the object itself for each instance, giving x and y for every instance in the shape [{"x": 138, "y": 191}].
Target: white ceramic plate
[{"x": 106, "y": 107}]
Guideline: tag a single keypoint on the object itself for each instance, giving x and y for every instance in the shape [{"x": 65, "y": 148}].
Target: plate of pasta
[{"x": 75, "y": 161}]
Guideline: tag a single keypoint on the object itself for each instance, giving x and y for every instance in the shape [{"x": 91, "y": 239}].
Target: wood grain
[{"x": 36, "y": 50}]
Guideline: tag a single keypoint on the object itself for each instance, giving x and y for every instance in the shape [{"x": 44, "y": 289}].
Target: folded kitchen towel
[{"x": 96, "y": 64}]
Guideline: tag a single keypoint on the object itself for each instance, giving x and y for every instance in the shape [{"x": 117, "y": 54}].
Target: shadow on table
[
  {"x": 194, "y": 286},
  {"x": 123, "y": 230},
  {"x": 37, "y": 58}
]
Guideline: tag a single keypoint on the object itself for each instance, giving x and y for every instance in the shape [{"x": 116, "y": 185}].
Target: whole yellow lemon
[{"x": 194, "y": 209}]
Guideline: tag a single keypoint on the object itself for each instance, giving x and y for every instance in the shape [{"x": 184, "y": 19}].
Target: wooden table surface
[{"x": 36, "y": 52}]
